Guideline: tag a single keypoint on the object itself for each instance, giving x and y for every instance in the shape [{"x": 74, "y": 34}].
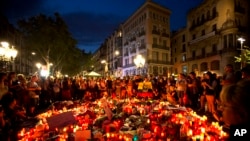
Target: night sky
[{"x": 91, "y": 22}]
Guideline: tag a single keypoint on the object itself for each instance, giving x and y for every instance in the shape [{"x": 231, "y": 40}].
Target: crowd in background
[{"x": 21, "y": 97}]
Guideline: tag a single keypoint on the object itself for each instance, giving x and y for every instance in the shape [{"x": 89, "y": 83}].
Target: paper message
[{"x": 61, "y": 120}]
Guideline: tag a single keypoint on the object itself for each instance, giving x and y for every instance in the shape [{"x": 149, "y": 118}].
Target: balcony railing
[
  {"x": 159, "y": 62},
  {"x": 133, "y": 50},
  {"x": 203, "y": 37},
  {"x": 125, "y": 54},
  {"x": 156, "y": 32},
  {"x": 143, "y": 46},
  {"x": 195, "y": 25},
  {"x": 160, "y": 46},
  {"x": 141, "y": 33},
  {"x": 165, "y": 35},
  {"x": 128, "y": 65}
]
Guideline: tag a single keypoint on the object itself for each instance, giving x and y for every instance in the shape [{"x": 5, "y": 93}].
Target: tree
[
  {"x": 50, "y": 39},
  {"x": 244, "y": 58}
]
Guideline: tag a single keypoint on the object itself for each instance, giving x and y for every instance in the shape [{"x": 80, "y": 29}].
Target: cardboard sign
[
  {"x": 61, "y": 120},
  {"x": 107, "y": 110},
  {"x": 82, "y": 135}
]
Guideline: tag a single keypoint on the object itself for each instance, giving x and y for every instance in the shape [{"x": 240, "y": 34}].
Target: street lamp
[
  {"x": 242, "y": 40},
  {"x": 7, "y": 54},
  {"x": 106, "y": 66},
  {"x": 139, "y": 61}
]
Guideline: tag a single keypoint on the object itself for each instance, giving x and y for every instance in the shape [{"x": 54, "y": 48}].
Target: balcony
[
  {"x": 160, "y": 47},
  {"x": 165, "y": 35},
  {"x": 128, "y": 65},
  {"x": 141, "y": 33},
  {"x": 125, "y": 54},
  {"x": 132, "y": 39},
  {"x": 212, "y": 53},
  {"x": 203, "y": 37},
  {"x": 142, "y": 46},
  {"x": 156, "y": 32},
  {"x": 160, "y": 62},
  {"x": 202, "y": 22},
  {"x": 133, "y": 50}
]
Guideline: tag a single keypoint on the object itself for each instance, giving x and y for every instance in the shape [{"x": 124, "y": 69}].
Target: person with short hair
[
  {"x": 245, "y": 72},
  {"x": 235, "y": 105}
]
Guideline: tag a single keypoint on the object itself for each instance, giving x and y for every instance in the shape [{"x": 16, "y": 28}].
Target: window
[
  {"x": 230, "y": 40},
  {"x": 184, "y": 48},
  {"x": 126, "y": 61},
  {"x": 154, "y": 28},
  {"x": 194, "y": 67},
  {"x": 164, "y": 57},
  {"x": 183, "y": 38},
  {"x": 184, "y": 57},
  {"x": 155, "y": 55},
  {"x": 203, "y": 52},
  {"x": 215, "y": 65},
  {"x": 204, "y": 66},
  {"x": 202, "y": 18},
  {"x": 194, "y": 36},
  {"x": 225, "y": 41},
  {"x": 214, "y": 27},
  {"x": 214, "y": 48},
  {"x": 165, "y": 71},
  {"x": 184, "y": 69},
  {"x": 214, "y": 12},
  {"x": 164, "y": 43},
  {"x": 193, "y": 54},
  {"x": 155, "y": 41},
  {"x": 203, "y": 32},
  {"x": 208, "y": 15},
  {"x": 155, "y": 70},
  {"x": 198, "y": 21},
  {"x": 175, "y": 59}
]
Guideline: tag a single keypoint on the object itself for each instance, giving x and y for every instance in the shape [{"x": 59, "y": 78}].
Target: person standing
[
  {"x": 229, "y": 76},
  {"x": 34, "y": 91},
  {"x": 209, "y": 84},
  {"x": 235, "y": 107},
  {"x": 194, "y": 87},
  {"x": 181, "y": 88},
  {"x": 109, "y": 85}
]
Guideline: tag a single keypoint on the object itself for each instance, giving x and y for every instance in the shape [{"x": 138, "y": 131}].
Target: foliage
[
  {"x": 50, "y": 39},
  {"x": 244, "y": 57}
]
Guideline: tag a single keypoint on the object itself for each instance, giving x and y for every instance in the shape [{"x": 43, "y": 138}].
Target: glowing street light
[
  {"x": 38, "y": 65},
  {"x": 139, "y": 61},
  {"x": 106, "y": 69},
  {"x": 242, "y": 40},
  {"x": 7, "y": 54}
]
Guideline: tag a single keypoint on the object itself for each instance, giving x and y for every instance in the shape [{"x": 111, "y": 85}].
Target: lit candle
[
  {"x": 190, "y": 132},
  {"x": 108, "y": 135},
  {"x": 148, "y": 121}
]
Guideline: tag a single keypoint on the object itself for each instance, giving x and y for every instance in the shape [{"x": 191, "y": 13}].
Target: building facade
[
  {"x": 210, "y": 40},
  {"x": 147, "y": 33}
]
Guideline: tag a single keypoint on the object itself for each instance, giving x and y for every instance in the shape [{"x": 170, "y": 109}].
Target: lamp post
[
  {"x": 7, "y": 55},
  {"x": 117, "y": 62},
  {"x": 242, "y": 40},
  {"x": 39, "y": 65},
  {"x": 105, "y": 66},
  {"x": 139, "y": 62}
]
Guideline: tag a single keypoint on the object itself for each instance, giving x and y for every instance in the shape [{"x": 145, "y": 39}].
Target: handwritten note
[{"x": 61, "y": 120}]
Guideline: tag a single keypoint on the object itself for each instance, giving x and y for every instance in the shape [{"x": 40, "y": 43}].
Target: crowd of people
[{"x": 21, "y": 97}]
